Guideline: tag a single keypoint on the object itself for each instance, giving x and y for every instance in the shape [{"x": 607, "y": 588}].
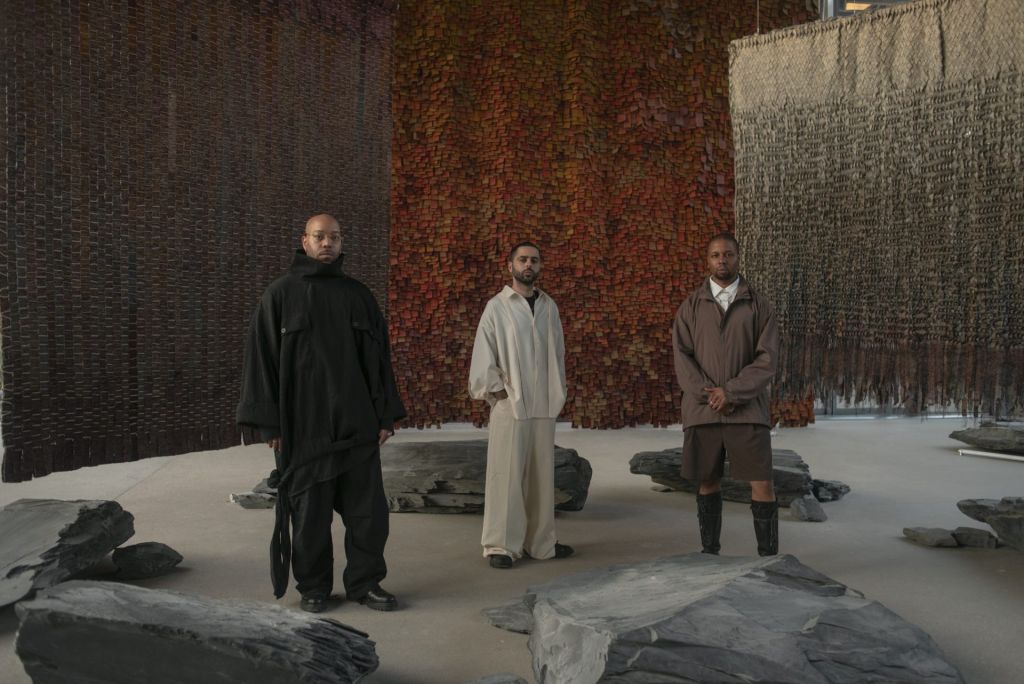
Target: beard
[{"x": 524, "y": 278}]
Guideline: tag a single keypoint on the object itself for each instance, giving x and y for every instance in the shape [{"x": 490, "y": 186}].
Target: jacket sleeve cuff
[
  {"x": 387, "y": 424},
  {"x": 258, "y": 414}
]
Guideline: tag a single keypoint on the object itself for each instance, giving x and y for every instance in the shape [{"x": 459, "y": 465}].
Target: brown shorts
[{"x": 748, "y": 446}]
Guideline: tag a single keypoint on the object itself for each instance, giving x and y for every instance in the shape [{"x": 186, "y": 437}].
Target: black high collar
[{"x": 305, "y": 265}]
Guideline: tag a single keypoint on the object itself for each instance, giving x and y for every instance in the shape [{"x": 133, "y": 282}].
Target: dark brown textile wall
[
  {"x": 880, "y": 199},
  {"x": 159, "y": 161}
]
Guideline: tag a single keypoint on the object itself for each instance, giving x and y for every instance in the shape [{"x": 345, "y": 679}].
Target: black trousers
[{"x": 358, "y": 496}]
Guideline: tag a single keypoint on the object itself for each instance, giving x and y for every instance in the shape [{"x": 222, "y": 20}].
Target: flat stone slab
[
  {"x": 930, "y": 536},
  {"x": 993, "y": 437},
  {"x": 449, "y": 477},
  {"x": 254, "y": 499},
  {"x": 91, "y": 632},
  {"x": 514, "y": 616},
  {"x": 148, "y": 559},
  {"x": 1005, "y": 517},
  {"x": 703, "y": 618},
  {"x": 500, "y": 678},
  {"x": 791, "y": 474},
  {"x": 46, "y": 541},
  {"x": 976, "y": 537}
]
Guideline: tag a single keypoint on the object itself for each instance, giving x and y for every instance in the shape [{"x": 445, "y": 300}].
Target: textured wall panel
[
  {"x": 881, "y": 198},
  {"x": 159, "y": 160},
  {"x": 599, "y": 129}
]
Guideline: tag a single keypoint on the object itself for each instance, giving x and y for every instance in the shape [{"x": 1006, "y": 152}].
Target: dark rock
[
  {"x": 448, "y": 477},
  {"x": 829, "y": 490},
  {"x": 148, "y": 559},
  {"x": 514, "y": 616},
  {"x": 706, "y": 618},
  {"x": 808, "y": 509},
  {"x": 1006, "y": 517},
  {"x": 790, "y": 473},
  {"x": 993, "y": 437},
  {"x": 264, "y": 488},
  {"x": 254, "y": 499},
  {"x": 930, "y": 536},
  {"x": 114, "y": 633},
  {"x": 46, "y": 541},
  {"x": 503, "y": 678},
  {"x": 976, "y": 537}
]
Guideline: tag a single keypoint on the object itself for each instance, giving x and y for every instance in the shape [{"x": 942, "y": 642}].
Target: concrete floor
[{"x": 904, "y": 472}]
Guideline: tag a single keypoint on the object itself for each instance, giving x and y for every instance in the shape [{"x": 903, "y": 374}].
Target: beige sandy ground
[{"x": 903, "y": 472}]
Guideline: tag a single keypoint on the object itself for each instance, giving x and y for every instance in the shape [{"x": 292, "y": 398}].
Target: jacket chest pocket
[
  {"x": 295, "y": 323},
  {"x": 362, "y": 328}
]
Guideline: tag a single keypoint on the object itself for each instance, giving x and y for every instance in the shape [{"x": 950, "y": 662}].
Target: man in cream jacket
[{"x": 518, "y": 367}]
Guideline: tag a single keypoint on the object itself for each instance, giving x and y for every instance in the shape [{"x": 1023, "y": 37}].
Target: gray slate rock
[
  {"x": 148, "y": 559},
  {"x": 514, "y": 616},
  {"x": 703, "y": 618},
  {"x": 829, "y": 490},
  {"x": 91, "y": 632},
  {"x": 808, "y": 509},
  {"x": 502, "y": 678},
  {"x": 263, "y": 487},
  {"x": 46, "y": 541},
  {"x": 992, "y": 437},
  {"x": 1005, "y": 516},
  {"x": 449, "y": 477},
  {"x": 976, "y": 537},
  {"x": 254, "y": 499},
  {"x": 930, "y": 536},
  {"x": 790, "y": 473}
]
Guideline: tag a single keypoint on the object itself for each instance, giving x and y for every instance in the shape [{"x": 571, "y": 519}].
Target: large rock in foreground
[
  {"x": 1005, "y": 517},
  {"x": 790, "y": 472},
  {"x": 448, "y": 477},
  {"x": 993, "y": 437},
  {"x": 92, "y": 632},
  {"x": 46, "y": 541},
  {"x": 702, "y": 618}
]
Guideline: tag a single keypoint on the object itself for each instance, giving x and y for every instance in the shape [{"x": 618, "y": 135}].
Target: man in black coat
[{"x": 319, "y": 388}]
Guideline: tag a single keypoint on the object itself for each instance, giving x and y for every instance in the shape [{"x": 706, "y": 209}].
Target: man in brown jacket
[{"x": 725, "y": 343}]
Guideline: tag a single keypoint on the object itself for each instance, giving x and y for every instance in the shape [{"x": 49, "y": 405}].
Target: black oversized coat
[{"x": 318, "y": 373}]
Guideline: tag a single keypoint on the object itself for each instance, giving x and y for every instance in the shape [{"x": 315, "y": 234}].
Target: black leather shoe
[
  {"x": 313, "y": 604},
  {"x": 378, "y": 599},
  {"x": 501, "y": 562},
  {"x": 563, "y": 550}
]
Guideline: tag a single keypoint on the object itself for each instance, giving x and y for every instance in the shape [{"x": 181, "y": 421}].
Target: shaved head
[
  {"x": 322, "y": 221},
  {"x": 322, "y": 238}
]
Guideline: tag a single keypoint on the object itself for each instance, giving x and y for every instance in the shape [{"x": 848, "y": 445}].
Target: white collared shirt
[{"x": 724, "y": 295}]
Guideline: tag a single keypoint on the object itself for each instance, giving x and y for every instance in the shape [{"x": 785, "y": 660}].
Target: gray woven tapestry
[{"x": 880, "y": 200}]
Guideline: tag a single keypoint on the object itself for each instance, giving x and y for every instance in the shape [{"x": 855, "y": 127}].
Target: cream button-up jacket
[{"x": 521, "y": 352}]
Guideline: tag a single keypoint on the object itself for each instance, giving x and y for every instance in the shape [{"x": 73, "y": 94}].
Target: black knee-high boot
[
  {"x": 766, "y": 526},
  {"x": 709, "y": 516}
]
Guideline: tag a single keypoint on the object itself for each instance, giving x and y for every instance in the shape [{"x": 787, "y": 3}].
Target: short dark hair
[
  {"x": 524, "y": 243},
  {"x": 727, "y": 237}
]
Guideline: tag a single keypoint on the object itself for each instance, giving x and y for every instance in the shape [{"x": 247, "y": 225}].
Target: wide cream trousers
[{"x": 519, "y": 496}]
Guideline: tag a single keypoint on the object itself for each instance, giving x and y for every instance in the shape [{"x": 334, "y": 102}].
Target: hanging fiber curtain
[{"x": 880, "y": 200}]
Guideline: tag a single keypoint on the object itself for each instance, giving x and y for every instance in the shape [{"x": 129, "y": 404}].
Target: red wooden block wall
[{"x": 598, "y": 129}]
